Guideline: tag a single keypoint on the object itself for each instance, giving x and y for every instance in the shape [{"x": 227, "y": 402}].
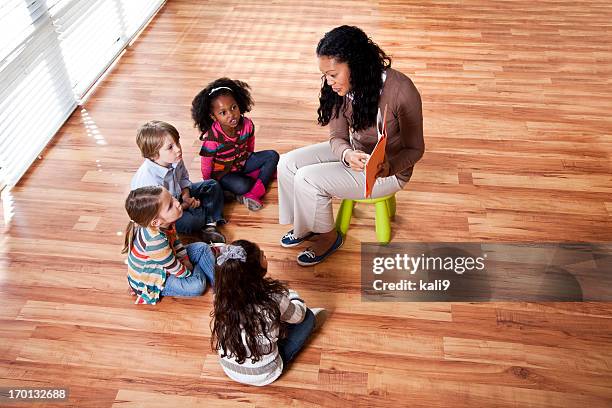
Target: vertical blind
[{"x": 51, "y": 53}]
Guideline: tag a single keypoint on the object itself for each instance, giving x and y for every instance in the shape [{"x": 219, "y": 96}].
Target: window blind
[{"x": 51, "y": 53}]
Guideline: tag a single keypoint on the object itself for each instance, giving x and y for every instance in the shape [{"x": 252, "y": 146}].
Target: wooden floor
[{"x": 517, "y": 98}]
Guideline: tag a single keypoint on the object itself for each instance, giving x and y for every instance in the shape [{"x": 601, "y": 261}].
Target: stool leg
[
  {"x": 391, "y": 206},
  {"x": 383, "y": 225},
  {"x": 343, "y": 219}
]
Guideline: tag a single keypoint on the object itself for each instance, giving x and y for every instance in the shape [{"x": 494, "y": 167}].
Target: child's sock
[{"x": 252, "y": 199}]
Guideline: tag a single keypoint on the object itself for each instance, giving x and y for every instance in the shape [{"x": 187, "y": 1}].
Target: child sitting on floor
[
  {"x": 228, "y": 138},
  {"x": 202, "y": 202},
  {"x": 258, "y": 325},
  {"x": 158, "y": 264}
]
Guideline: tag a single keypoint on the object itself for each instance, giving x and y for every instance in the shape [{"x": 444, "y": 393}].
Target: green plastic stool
[{"x": 385, "y": 209}]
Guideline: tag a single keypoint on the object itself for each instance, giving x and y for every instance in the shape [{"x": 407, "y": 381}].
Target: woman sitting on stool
[{"x": 357, "y": 83}]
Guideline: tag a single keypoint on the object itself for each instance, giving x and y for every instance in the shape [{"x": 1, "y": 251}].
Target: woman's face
[{"x": 337, "y": 74}]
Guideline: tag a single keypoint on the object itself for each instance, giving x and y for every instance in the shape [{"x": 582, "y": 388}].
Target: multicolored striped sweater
[
  {"x": 154, "y": 255},
  {"x": 270, "y": 366},
  {"x": 221, "y": 154}
]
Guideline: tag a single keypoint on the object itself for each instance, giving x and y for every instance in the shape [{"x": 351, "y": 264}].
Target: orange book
[{"x": 378, "y": 154}]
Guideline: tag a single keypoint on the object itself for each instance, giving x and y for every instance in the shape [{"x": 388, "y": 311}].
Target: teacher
[{"x": 357, "y": 83}]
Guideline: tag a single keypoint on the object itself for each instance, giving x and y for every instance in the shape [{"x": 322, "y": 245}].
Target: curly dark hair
[
  {"x": 366, "y": 62},
  {"x": 244, "y": 300},
  {"x": 201, "y": 106}
]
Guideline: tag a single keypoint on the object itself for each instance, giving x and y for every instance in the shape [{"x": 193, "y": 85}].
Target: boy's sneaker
[
  {"x": 320, "y": 315},
  {"x": 211, "y": 235},
  {"x": 290, "y": 240},
  {"x": 309, "y": 258}
]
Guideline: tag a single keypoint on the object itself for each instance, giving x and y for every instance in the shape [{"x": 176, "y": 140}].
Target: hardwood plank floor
[{"x": 516, "y": 102}]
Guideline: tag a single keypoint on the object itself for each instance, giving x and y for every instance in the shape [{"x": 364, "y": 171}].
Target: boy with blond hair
[{"x": 202, "y": 202}]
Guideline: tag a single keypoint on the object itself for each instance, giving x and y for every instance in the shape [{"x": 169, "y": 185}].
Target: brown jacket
[{"x": 405, "y": 145}]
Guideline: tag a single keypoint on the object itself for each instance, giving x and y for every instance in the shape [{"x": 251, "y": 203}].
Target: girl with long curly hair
[
  {"x": 357, "y": 84},
  {"x": 259, "y": 325}
]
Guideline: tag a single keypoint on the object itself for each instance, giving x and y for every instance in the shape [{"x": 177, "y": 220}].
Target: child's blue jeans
[
  {"x": 239, "y": 183},
  {"x": 210, "y": 210},
  {"x": 297, "y": 334},
  {"x": 203, "y": 262}
]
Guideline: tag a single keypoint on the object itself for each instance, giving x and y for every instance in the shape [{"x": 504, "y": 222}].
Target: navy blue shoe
[
  {"x": 290, "y": 240},
  {"x": 309, "y": 258}
]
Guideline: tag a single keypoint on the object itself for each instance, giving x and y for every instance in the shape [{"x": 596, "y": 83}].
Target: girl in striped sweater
[
  {"x": 158, "y": 264},
  {"x": 228, "y": 142},
  {"x": 258, "y": 324}
]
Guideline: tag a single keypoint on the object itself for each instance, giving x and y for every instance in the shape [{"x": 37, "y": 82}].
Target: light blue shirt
[{"x": 174, "y": 178}]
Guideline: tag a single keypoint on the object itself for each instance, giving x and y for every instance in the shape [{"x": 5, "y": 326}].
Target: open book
[{"x": 378, "y": 154}]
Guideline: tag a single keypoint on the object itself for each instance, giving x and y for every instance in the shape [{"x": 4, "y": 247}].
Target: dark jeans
[
  {"x": 210, "y": 210},
  {"x": 239, "y": 183},
  {"x": 297, "y": 334}
]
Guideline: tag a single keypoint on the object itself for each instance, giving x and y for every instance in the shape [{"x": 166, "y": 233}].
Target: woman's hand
[
  {"x": 383, "y": 169},
  {"x": 356, "y": 159}
]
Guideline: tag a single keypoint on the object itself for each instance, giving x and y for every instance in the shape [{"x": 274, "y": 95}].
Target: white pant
[{"x": 309, "y": 177}]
